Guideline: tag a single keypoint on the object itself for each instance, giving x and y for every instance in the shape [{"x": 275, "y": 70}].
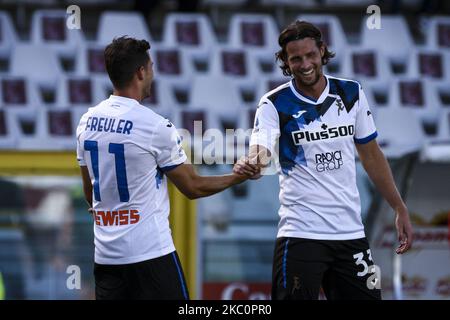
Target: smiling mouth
[{"x": 307, "y": 73}]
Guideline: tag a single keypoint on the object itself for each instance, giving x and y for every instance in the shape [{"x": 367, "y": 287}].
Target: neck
[
  {"x": 131, "y": 93},
  {"x": 313, "y": 91}
]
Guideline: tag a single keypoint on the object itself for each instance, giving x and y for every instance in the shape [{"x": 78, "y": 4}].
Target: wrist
[
  {"x": 401, "y": 209},
  {"x": 238, "y": 178}
]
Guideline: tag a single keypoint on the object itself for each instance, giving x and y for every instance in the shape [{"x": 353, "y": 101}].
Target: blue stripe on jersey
[
  {"x": 285, "y": 263},
  {"x": 295, "y": 114},
  {"x": 180, "y": 275},
  {"x": 92, "y": 147},
  {"x": 168, "y": 168},
  {"x": 160, "y": 173},
  {"x": 288, "y": 106},
  {"x": 286, "y": 101},
  {"x": 158, "y": 177},
  {"x": 348, "y": 90},
  {"x": 366, "y": 139},
  {"x": 121, "y": 173},
  {"x": 290, "y": 154}
]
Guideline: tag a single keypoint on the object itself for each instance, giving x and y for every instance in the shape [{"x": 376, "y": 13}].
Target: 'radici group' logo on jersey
[
  {"x": 303, "y": 136},
  {"x": 329, "y": 161}
]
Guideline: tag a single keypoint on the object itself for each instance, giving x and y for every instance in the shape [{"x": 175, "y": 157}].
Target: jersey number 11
[{"x": 117, "y": 149}]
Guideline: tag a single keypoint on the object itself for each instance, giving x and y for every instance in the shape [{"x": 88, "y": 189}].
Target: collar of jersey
[
  {"x": 322, "y": 97},
  {"x": 124, "y": 100}
]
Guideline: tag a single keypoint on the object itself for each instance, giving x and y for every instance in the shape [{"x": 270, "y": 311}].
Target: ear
[
  {"x": 140, "y": 73},
  {"x": 322, "y": 50}
]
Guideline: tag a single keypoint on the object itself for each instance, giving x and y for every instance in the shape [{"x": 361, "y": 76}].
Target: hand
[
  {"x": 404, "y": 230},
  {"x": 244, "y": 167}
]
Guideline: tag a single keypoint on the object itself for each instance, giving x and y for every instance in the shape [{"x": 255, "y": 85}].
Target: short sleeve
[
  {"x": 167, "y": 146},
  {"x": 80, "y": 155},
  {"x": 80, "y": 147},
  {"x": 365, "y": 129},
  {"x": 266, "y": 128}
]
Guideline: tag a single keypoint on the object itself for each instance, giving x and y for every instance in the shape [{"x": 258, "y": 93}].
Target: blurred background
[{"x": 214, "y": 59}]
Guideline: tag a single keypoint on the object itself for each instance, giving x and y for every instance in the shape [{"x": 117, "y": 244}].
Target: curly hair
[
  {"x": 296, "y": 31},
  {"x": 123, "y": 57}
]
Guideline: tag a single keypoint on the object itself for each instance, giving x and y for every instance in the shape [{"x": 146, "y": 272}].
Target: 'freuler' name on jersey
[{"x": 109, "y": 125}]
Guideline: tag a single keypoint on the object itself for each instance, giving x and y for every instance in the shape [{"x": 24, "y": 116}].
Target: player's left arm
[{"x": 377, "y": 167}]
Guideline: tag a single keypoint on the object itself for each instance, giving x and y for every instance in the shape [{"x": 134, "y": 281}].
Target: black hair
[
  {"x": 296, "y": 31},
  {"x": 123, "y": 57}
]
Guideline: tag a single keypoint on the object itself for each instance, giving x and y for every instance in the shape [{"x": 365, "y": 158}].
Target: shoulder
[
  {"x": 273, "y": 94},
  {"x": 85, "y": 116},
  {"x": 151, "y": 126},
  {"x": 145, "y": 113},
  {"x": 277, "y": 98},
  {"x": 91, "y": 111},
  {"x": 159, "y": 126},
  {"x": 343, "y": 84},
  {"x": 146, "y": 119},
  {"x": 348, "y": 90}
]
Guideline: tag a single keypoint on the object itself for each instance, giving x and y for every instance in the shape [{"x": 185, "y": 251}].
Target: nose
[{"x": 306, "y": 65}]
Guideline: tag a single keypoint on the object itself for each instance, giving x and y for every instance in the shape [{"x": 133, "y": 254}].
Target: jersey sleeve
[
  {"x": 80, "y": 155},
  {"x": 80, "y": 148},
  {"x": 167, "y": 147},
  {"x": 365, "y": 129},
  {"x": 266, "y": 127}
]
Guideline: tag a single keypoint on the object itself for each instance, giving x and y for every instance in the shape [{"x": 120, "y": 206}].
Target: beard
[
  {"x": 147, "y": 90},
  {"x": 308, "y": 82}
]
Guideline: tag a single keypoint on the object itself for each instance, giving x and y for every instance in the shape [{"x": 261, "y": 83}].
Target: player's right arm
[
  {"x": 171, "y": 159},
  {"x": 377, "y": 168},
  {"x": 195, "y": 186}
]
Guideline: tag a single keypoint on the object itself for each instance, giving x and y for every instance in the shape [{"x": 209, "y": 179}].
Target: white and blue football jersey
[
  {"x": 313, "y": 143},
  {"x": 127, "y": 148}
]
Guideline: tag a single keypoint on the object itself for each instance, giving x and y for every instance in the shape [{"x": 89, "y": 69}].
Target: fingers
[
  {"x": 256, "y": 176},
  {"x": 243, "y": 170},
  {"x": 243, "y": 167},
  {"x": 239, "y": 166},
  {"x": 402, "y": 248},
  {"x": 261, "y": 158},
  {"x": 409, "y": 237},
  {"x": 402, "y": 239},
  {"x": 247, "y": 171},
  {"x": 251, "y": 163},
  {"x": 405, "y": 237}
]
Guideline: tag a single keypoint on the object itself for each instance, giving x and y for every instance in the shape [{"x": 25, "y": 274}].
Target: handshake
[{"x": 250, "y": 166}]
